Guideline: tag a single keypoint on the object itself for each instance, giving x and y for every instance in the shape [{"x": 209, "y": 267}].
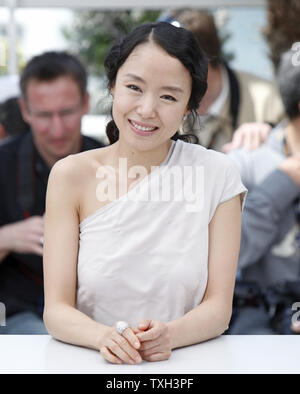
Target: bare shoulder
[
  {"x": 74, "y": 169},
  {"x": 68, "y": 179}
]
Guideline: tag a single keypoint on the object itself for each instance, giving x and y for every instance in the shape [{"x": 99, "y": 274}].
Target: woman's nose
[{"x": 147, "y": 107}]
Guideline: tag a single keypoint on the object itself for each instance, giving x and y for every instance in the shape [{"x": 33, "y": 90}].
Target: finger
[
  {"x": 150, "y": 344},
  {"x": 237, "y": 140},
  {"x": 36, "y": 246},
  {"x": 32, "y": 247},
  {"x": 35, "y": 221},
  {"x": 227, "y": 147},
  {"x": 31, "y": 232},
  {"x": 248, "y": 136},
  {"x": 37, "y": 249},
  {"x": 296, "y": 327},
  {"x": 241, "y": 128},
  {"x": 109, "y": 356},
  {"x": 149, "y": 335},
  {"x": 153, "y": 350},
  {"x": 131, "y": 337},
  {"x": 254, "y": 141},
  {"x": 35, "y": 239},
  {"x": 38, "y": 230},
  {"x": 144, "y": 324},
  {"x": 127, "y": 348},
  {"x": 115, "y": 349},
  {"x": 136, "y": 331},
  {"x": 158, "y": 357}
]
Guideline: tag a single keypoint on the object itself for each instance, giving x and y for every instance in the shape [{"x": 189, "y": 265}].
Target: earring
[{"x": 181, "y": 127}]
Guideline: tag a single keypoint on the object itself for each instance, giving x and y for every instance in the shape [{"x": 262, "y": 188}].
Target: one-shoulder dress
[{"x": 145, "y": 255}]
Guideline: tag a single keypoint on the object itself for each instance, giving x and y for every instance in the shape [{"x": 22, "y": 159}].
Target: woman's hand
[
  {"x": 117, "y": 348},
  {"x": 155, "y": 340}
]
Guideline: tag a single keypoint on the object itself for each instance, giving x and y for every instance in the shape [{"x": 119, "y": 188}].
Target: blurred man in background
[{"x": 54, "y": 100}]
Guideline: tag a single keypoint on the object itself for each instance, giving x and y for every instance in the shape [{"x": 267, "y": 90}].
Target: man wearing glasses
[{"x": 54, "y": 99}]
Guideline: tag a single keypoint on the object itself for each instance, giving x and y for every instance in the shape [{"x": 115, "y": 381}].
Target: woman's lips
[{"x": 142, "y": 128}]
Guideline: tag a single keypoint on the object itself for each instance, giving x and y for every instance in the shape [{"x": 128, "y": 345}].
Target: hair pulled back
[{"x": 177, "y": 42}]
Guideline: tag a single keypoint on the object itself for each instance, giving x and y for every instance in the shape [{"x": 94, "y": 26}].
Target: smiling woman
[
  {"x": 139, "y": 275},
  {"x": 181, "y": 59},
  {"x": 150, "y": 97}
]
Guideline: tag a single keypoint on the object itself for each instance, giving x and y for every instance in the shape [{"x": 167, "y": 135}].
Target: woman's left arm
[{"x": 212, "y": 316}]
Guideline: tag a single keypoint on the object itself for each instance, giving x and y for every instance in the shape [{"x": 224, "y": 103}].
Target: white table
[{"x": 225, "y": 354}]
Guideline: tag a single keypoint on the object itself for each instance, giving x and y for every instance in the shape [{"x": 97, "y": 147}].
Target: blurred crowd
[{"x": 255, "y": 121}]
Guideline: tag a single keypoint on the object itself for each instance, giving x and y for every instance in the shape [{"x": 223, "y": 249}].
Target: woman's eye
[
  {"x": 169, "y": 98},
  {"x": 134, "y": 87}
]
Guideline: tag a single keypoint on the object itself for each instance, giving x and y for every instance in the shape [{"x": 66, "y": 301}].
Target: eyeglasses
[{"x": 65, "y": 115}]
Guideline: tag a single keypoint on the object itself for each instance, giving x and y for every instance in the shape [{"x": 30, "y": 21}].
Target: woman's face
[{"x": 151, "y": 95}]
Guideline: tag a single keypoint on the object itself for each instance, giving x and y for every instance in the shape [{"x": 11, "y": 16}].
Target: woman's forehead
[{"x": 149, "y": 60}]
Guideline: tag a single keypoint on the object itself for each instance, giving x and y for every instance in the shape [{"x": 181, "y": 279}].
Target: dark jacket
[{"x": 23, "y": 184}]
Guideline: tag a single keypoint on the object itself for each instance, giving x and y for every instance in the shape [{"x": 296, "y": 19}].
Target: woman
[{"x": 165, "y": 266}]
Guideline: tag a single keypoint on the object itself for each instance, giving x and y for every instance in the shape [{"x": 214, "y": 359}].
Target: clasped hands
[{"x": 150, "y": 341}]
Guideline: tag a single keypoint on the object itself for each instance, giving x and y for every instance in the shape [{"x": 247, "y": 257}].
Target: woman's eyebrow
[
  {"x": 134, "y": 76},
  {"x": 171, "y": 88}
]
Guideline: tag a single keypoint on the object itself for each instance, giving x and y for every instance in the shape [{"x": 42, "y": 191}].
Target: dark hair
[
  {"x": 202, "y": 24},
  {"x": 51, "y": 65},
  {"x": 289, "y": 83},
  {"x": 11, "y": 117},
  {"x": 177, "y": 42}
]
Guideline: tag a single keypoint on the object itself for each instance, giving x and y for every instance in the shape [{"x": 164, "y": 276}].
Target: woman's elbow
[
  {"x": 50, "y": 320},
  {"x": 47, "y": 320},
  {"x": 223, "y": 320}
]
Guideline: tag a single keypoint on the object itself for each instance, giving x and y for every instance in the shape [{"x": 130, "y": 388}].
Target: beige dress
[{"x": 145, "y": 255}]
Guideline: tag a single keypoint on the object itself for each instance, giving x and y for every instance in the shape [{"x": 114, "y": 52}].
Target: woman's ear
[
  {"x": 112, "y": 91},
  {"x": 186, "y": 113}
]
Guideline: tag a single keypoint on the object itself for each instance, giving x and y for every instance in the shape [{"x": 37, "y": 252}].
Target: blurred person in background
[
  {"x": 280, "y": 36},
  {"x": 11, "y": 119},
  {"x": 269, "y": 260},
  {"x": 232, "y": 98},
  {"x": 54, "y": 100}
]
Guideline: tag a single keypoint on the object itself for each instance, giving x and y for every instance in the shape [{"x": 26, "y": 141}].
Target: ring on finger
[{"x": 121, "y": 326}]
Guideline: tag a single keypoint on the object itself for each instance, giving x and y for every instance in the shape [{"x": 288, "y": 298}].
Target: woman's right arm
[{"x": 62, "y": 319}]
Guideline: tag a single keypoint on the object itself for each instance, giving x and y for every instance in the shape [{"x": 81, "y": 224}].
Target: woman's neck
[{"x": 147, "y": 159}]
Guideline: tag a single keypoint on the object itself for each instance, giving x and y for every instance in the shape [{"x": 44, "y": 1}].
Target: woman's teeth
[{"x": 142, "y": 128}]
